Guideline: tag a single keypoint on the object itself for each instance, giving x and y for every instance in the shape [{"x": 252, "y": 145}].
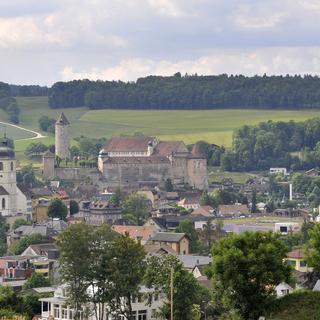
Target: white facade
[
  {"x": 287, "y": 227},
  {"x": 278, "y": 171},
  {"x": 56, "y": 308},
  {"x": 283, "y": 289}
]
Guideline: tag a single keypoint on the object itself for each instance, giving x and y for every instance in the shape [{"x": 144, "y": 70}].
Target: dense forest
[
  {"x": 8, "y": 103},
  {"x": 28, "y": 90},
  {"x": 190, "y": 92},
  {"x": 294, "y": 145}
]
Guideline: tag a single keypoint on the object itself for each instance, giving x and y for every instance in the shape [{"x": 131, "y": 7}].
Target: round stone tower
[{"x": 62, "y": 137}]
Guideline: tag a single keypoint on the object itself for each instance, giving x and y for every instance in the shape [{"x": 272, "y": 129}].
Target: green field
[{"x": 215, "y": 126}]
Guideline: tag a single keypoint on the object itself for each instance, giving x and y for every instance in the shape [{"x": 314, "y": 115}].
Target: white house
[
  {"x": 278, "y": 171},
  {"x": 56, "y": 307},
  {"x": 283, "y": 289},
  {"x": 287, "y": 227}
]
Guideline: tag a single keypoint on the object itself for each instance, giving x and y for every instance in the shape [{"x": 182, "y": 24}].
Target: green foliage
[
  {"x": 300, "y": 305},
  {"x": 246, "y": 268},
  {"x": 313, "y": 248},
  {"x": 90, "y": 146},
  {"x": 46, "y": 124},
  {"x": 20, "y": 222},
  {"x": 270, "y": 144},
  {"x": 187, "y": 227},
  {"x": 37, "y": 280},
  {"x": 117, "y": 198},
  {"x": 74, "y": 207},
  {"x": 57, "y": 209},
  {"x": 35, "y": 149},
  {"x": 189, "y": 92},
  {"x": 4, "y": 227},
  {"x": 27, "y": 176},
  {"x": 135, "y": 209},
  {"x": 98, "y": 257},
  {"x": 186, "y": 290},
  {"x": 17, "y": 247}
]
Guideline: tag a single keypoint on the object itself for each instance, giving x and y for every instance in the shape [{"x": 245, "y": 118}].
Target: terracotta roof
[
  {"x": 62, "y": 120},
  {"x": 166, "y": 148},
  {"x": 196, "y": 153},
  {"x": 296, "y": 254},
  {"x": 137, "y": 160},
  {"x": 118, "y": 144},
  {"x": 136, "y": 232}
]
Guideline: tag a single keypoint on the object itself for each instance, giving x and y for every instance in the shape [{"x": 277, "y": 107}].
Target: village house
[
  {"x": 233, "y": 210},
  {"x": 144, "y": 306},
  {"x": 99, "y": 212},
  {"x": 296, "y": 259},
  {"x": 138, "y": 233},
  {"x": 179, "y": 242}
]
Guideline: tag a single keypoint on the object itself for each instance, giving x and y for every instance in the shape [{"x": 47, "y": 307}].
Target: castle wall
[
  {"x": 62, "y": 140},
  {"x": 48, "y": 167},
  {"x": 135, "y": 174},
  {"x": 197, "y": 173},
  {"x": 179, "y": 170},
  {"x": 77, "y": 174}
]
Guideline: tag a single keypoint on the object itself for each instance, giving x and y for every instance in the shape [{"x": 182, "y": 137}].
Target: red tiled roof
[
  {"x": 136, "y": 232},
  {"x": 137, "y": 160},
  {"x": 118, "y": 144},
  {"x": 296, "y": 254},
  {"x": 166, "y": 148}
]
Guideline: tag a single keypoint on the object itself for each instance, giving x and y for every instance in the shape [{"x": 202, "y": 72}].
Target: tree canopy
[
  {"x": 190, "y": 92},
  {"x": 57, "y": 209},
  {"x": 246, "y": 268}
]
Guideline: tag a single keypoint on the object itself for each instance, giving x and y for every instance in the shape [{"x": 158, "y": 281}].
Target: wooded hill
[{"x": 190, "y": 92}]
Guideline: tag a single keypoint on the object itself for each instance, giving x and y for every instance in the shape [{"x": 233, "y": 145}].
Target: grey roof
[
  {"x": 25, "y": 190},
  {"x": 190, "y": 261},
  {"x": 48, "y": 154},
  {"x": 57, "y": 225},
  {"x": 3, "y": 191},
  {"x": 33, "y": 229},
  {"x": 5, "y": 150},
  {"x": 41, "y": 192},
  {"x": 62, "y": 120},
  {"x": 168, "y": 236},
  {"x": 44, "y": 289},
  {"x": 317, "y": 286}
]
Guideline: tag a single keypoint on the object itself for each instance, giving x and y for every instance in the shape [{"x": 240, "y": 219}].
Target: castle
[
  {"x": 132, "y": 162},
  {"x": 145, "y": 161}
]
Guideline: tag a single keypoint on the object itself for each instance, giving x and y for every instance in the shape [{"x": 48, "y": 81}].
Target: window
[
  {"x": 142, "y": 315},
  {"x": 64, "y": 313},
  {"x": 1, "y": 166},
  {"x": 285, "y": 292},
  {"x": 3, "y": 203},
  {"x": 303, "y": 263},
  {"x": 11, "y": 166}
]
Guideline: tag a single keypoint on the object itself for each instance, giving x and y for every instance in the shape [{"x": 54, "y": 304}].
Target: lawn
[{"x": 215, "y": 126}]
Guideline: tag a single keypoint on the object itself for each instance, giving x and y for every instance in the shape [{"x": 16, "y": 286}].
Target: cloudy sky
[{"x": 43, "y": 41}]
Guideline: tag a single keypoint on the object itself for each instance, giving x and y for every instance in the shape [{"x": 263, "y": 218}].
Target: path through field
[{"x": 38, "y": 135}]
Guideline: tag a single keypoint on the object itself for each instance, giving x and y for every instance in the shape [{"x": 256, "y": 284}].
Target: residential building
[
  {"x": 57, "y": 308},
  {"x": 296, "y": 259},
  {"x": 138, "y": 233},
  {"x": 233, "y": 210},
  {"x": 179, "y": 242}
]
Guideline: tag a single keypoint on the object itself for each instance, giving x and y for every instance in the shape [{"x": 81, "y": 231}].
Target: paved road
[{"x": 38, "y": 135}]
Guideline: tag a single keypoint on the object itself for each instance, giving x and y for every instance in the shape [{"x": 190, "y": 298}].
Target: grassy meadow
[{"x": 215, "y": 126}]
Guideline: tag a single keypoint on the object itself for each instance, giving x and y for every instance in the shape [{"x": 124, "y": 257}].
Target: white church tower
[{"x": 8, "y": 184}]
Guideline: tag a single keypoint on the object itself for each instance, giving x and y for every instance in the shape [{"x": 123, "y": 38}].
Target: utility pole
[{"x": 171, "y": 293}]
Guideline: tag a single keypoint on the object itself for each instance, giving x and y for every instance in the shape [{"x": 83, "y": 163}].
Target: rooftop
[
  {"x": 126, "y": 144},
  {"x": 168, "y": 236}
]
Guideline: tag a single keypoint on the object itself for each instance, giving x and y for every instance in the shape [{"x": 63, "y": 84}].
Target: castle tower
[
  {"x": 48, "y": 161},
  {"x": 8, "y": 184},
  {"x": 62, "y": 137}
]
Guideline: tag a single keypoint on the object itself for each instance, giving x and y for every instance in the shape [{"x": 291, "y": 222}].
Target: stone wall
[
  {"x": 136, "y": 174},
  {"x": 197, "y": 173},
  {"x": 77, "y": 174}
]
